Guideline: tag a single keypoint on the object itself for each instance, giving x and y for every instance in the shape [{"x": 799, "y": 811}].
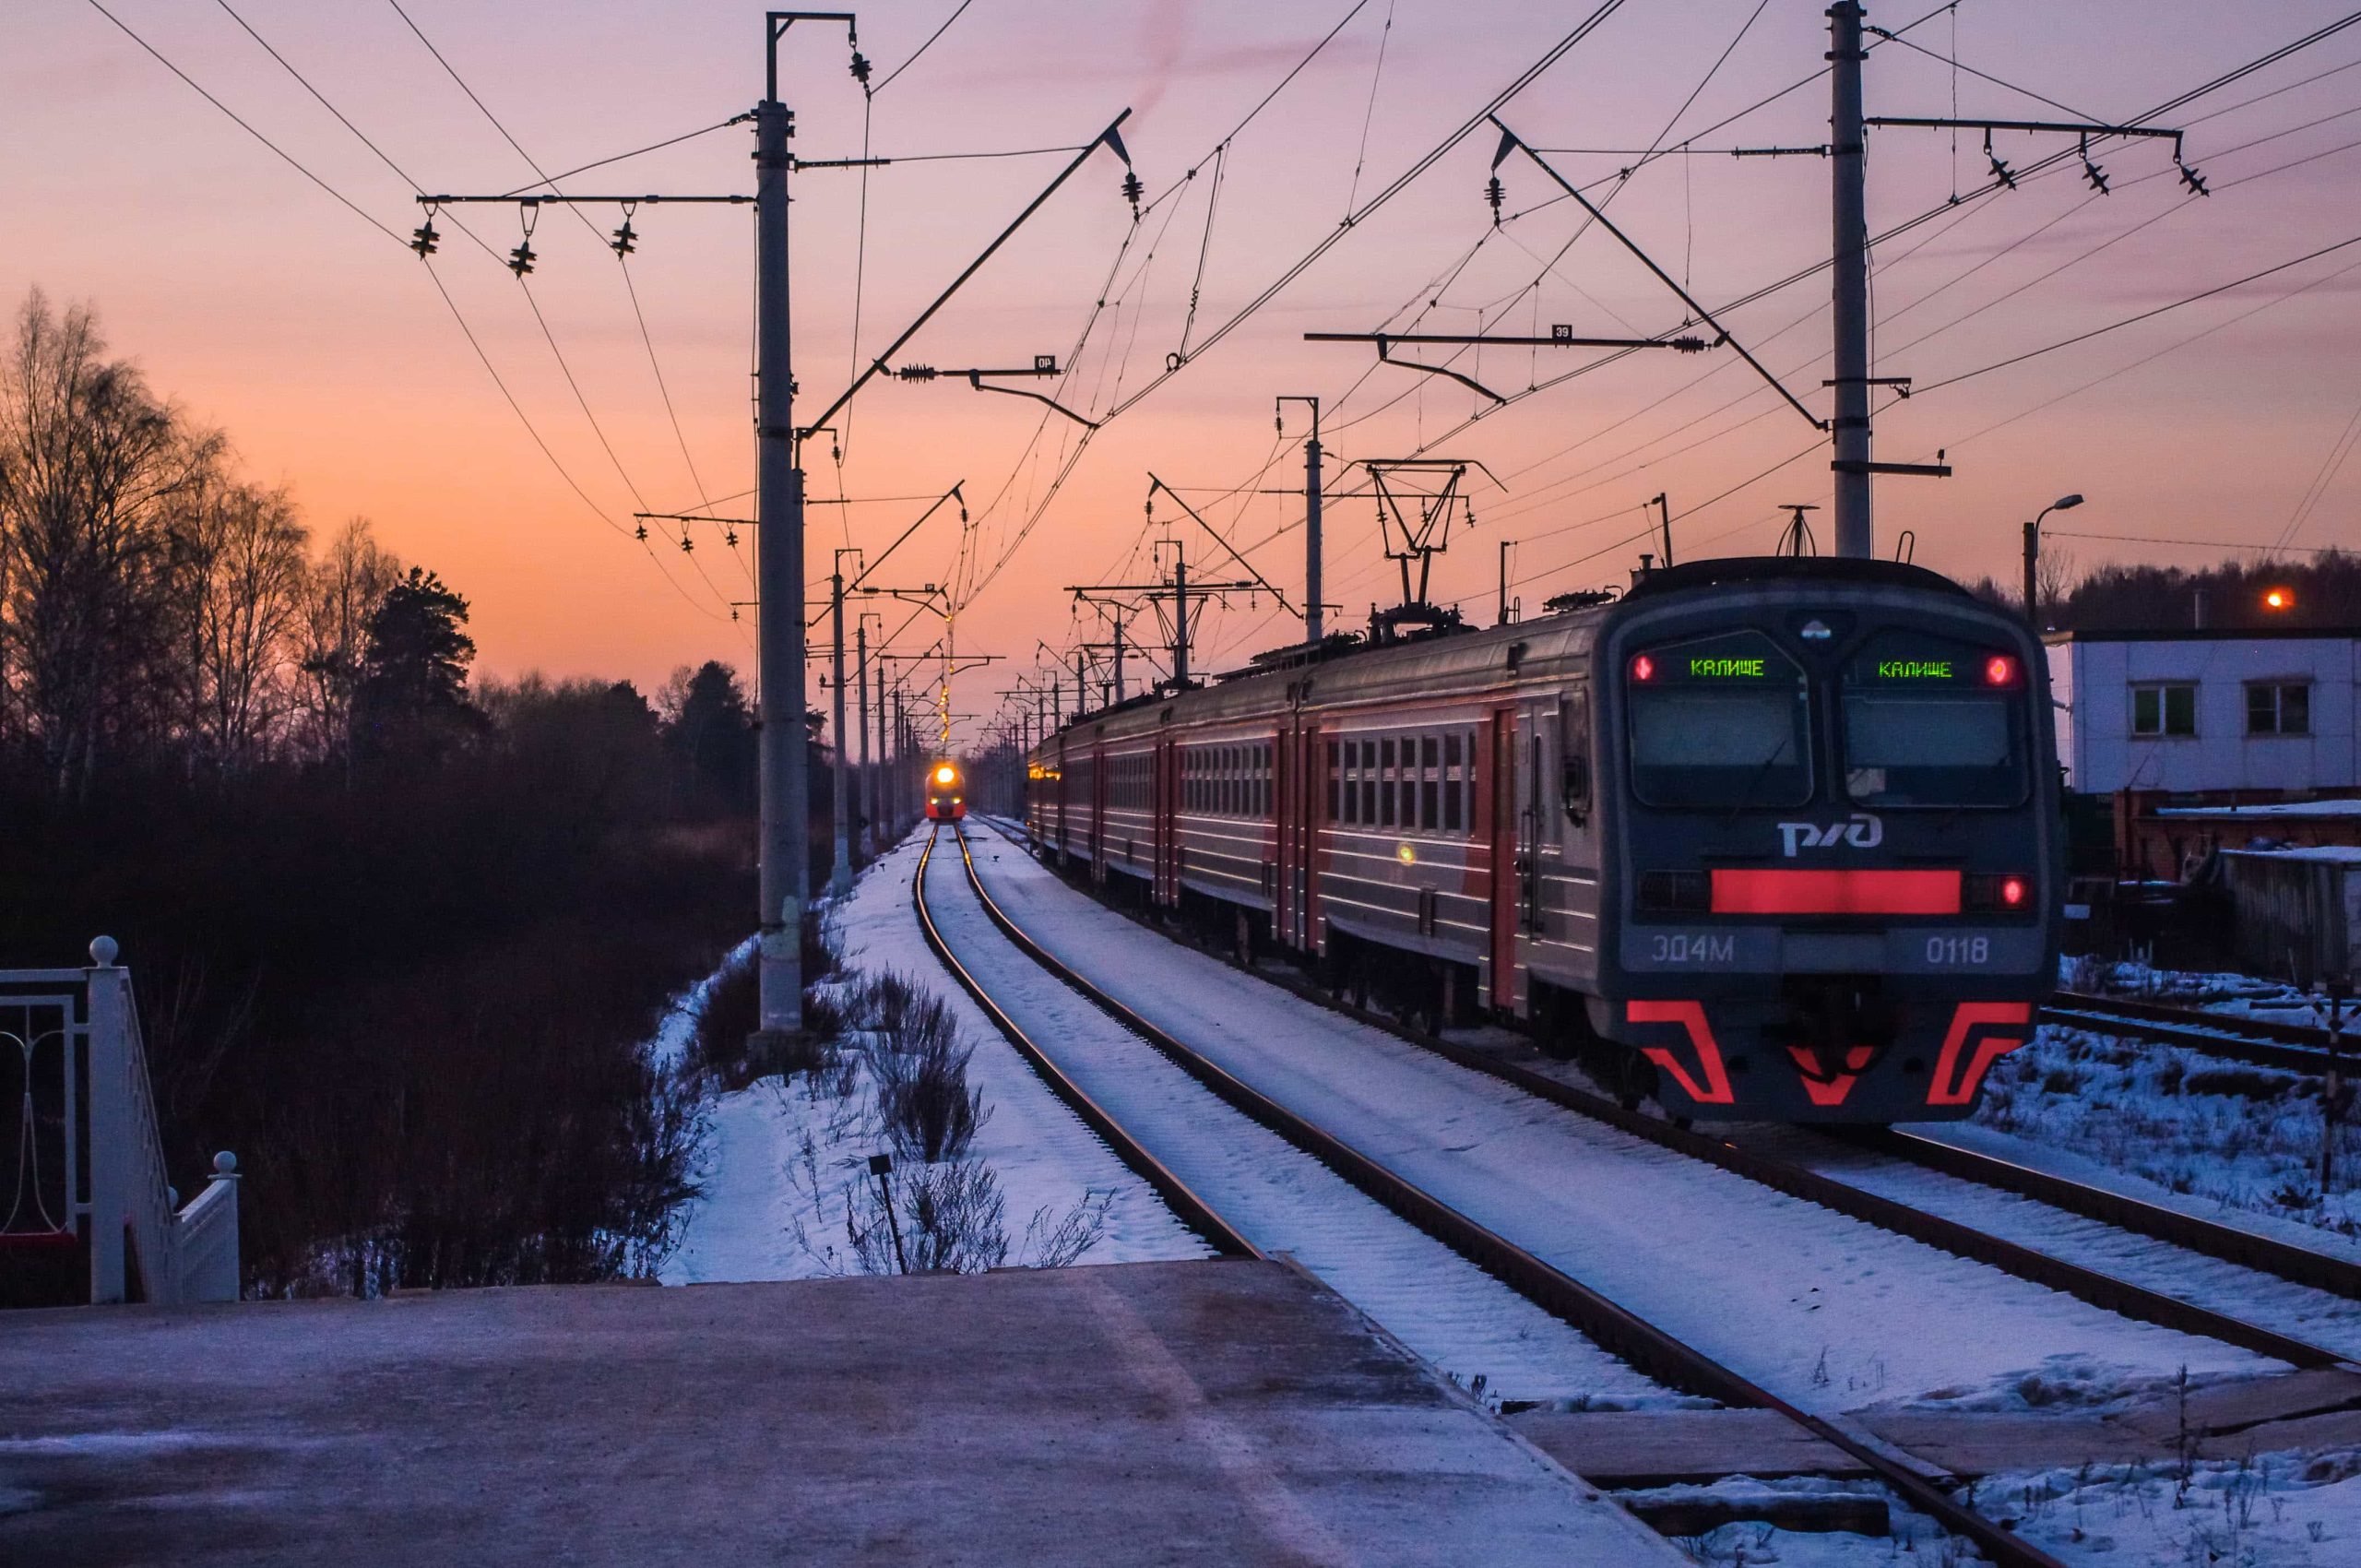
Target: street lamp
[{"x": 2033, "y": 555}]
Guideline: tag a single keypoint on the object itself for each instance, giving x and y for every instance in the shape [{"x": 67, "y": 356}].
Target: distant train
[
  {"x": 1767, "y": 838},
  {"x": 947, "y": 792}
]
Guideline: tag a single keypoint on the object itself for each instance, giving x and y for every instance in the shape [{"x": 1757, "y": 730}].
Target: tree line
[{"x": 398, "y": 932}]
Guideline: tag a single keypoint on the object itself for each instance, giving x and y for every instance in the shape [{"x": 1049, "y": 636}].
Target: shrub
[{"x": 920, "y": 1071}]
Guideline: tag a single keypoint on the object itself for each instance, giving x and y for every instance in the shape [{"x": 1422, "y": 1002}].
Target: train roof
[
  {"x": 1514, "y": 651},
  {"x": 1731, "y": 571}
]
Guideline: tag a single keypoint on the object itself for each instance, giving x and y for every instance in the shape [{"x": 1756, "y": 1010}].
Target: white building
[{"x": 2206, "y": 711}]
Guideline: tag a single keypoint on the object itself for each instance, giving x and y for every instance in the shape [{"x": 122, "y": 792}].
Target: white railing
[{"x": 143, "y": 1245}]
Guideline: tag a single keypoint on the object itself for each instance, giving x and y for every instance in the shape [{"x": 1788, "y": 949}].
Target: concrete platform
[{"x": 1142, "y": 1413}]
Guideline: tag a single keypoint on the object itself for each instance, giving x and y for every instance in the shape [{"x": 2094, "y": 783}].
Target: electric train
[
  {"x": 1767, "y": 838},
  {"x": 947, "y": 792}
]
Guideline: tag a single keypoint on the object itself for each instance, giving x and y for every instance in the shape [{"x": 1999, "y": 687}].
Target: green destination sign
[
  {"x": 1747, "y": 668},
  {"x": 1914, "y": 668}
]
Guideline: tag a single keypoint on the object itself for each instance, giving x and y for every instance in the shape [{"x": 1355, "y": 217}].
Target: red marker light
[
  {"x": 2013, "y": 892},
  {"x": 1999, "y": 671},
  {"x": 1644, "y": 669}
]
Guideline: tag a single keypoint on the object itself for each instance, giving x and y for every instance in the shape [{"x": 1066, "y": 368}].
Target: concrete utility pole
[
  {"x": 1312, "y": 630},
  {"x": 866, "y": 792},
  {"x": 778, "y": 583},
  {"x": 840, "y": 794},
  {"x": 1850, "y": 253},
  {"x": 778, "y": 486}
]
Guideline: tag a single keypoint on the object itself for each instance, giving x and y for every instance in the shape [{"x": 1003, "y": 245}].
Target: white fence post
[
  {"x": 191, "y": 1256},
  {"x": 109, "y": 1111}
]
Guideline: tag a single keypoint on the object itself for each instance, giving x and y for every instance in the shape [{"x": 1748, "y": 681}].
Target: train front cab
[
  {"x": 946, "y": 791},
  {"x": 1834, "y": 845}
]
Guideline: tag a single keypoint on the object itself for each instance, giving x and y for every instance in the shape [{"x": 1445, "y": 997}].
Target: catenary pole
[
  {"x": 870, "y": 824},
  {"x": 779, "y": 588},
  {"x": 1850, "y": 252},
  {"x": 840, "y": 791}
]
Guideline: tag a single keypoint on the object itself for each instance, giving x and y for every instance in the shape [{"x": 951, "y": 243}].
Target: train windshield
[
  {"x": 1932, "y": 722},
  {"x": 1723, "y": 722}
]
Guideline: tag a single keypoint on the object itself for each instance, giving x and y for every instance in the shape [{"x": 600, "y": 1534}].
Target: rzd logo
[{"x": 1861, "y": 831}]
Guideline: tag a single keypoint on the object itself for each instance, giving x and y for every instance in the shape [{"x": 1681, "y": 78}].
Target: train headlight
[{"x": 944, "y": 774}]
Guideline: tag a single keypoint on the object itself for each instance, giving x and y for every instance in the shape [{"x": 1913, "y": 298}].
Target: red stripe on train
[{"x": 1743, "y": 891}]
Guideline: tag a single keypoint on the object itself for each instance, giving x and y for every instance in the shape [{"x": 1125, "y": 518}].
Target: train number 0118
[{"x": 1959, "y": 950}]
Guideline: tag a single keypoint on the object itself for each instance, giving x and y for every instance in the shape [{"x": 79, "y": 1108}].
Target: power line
[
  {"x": 955, "y": 13},
  {"x": 2132, "y": 320},
  {"x": 283, "y": 154},
  {"x": 2192, "y": 543},
  {"x": 450, "y": 303}
]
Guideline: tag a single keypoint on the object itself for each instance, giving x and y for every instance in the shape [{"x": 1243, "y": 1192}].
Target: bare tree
[
  {"x": 243, "y": 577},
  {"x": 89, "y": 459},
  {"x": 346, "y": 588}
]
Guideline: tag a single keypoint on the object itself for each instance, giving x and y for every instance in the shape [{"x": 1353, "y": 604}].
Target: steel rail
[
  {"x": 1613, "y": 1328},
  {"x": 2102, "y": 1291},
  {"x": 1192, "y": 1210},
  {"x": 2296, "y": 1264},
  {"x": 2262, "y": 1042}
]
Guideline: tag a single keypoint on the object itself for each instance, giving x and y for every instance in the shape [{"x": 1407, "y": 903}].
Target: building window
[
  {"x": 2279, "y": 707},
  {"x": 2164, "y": 710}
]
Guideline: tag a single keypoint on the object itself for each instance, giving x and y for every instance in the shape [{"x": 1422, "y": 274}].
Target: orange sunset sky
[{"x": 323, "y": 348}]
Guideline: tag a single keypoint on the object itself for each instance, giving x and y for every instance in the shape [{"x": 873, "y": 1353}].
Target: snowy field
[{"x": 784, "y": 1164}]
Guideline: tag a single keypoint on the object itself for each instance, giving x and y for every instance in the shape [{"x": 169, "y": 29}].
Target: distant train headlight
[{"x": 945, "y": 773}]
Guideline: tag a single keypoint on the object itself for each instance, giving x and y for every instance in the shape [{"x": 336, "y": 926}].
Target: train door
[
  {"x": 1097, "y": 844},
  {"x": 1165, "y": 792},
  {"x": 1290, "y": 805},
  {"x": 1498, "y": 803},
  {"x": 1317, "y": 769}
]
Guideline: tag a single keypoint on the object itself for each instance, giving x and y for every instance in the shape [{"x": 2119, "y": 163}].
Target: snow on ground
[
  {"x": 2316, "y": 1316},
  {"x": 1825, "y": 1311},
  {"x": 2290, "y": 1510},
  {"x": 2293, "y": 1510},
  {"x": 2213, "y": 991},
  {"x": 783, "y": 1158},
  {"x": 2243, "y": 1139},
  {"x": 1910, "y": 1535},
  {"x": 1449, "y": 1311}
]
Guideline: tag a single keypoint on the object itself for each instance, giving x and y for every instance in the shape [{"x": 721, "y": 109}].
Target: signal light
[
  {"x": 1644, "y": 669},
  {"x": 1999, "y": 671},
  {"x": 1995, "y": 892}
]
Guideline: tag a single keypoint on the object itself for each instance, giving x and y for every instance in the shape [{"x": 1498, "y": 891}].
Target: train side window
[
  {"x": 1368, "y": 817},
  {"x": 1335, "y": 779},
  {"x": 1575, "y": 781}
]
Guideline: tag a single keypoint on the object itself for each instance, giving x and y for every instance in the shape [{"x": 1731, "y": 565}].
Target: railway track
[
  {"x": 1648, "y": 1346},
  {"x": 2259, "y": 1041},
  {"x": 2227, "y": 1243}
]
